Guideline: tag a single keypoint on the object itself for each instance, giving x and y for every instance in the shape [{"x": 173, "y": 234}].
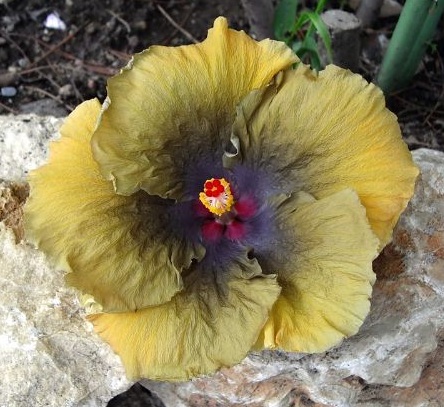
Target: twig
[
  {"x": 120, "y": 19},
  {"x": 168, "y": 38},
  {"x": 37, "y": 68},
  {"x": 435, "y": 108},
  {"x": 98, "y": 69},
  {"x": 412, "y": 105},
  {"x": 51, "y": 81},
  {"x": 50, "y": 95},
  {"x": 175, "y": 25},
  {"x": 79, "y": 96},
  {"x": 7, "y": 78},
  {"x": 58, "y": 45},
  {"x": 9, "y": 109},
  {"x": 119, "y": 54},
  {"x": 20, "y": 49},
  {"x": 101, "y": 70}
]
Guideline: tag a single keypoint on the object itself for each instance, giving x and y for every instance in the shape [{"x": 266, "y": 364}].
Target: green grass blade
[
  {"x": 315, "y": 61},
  {"x": 296, "y": 47},
  {"x": 320, "y": 6},
  {"x": 284, "y": 17},
  {"x": 301, "y": 21},
  {"x": 322, "y": 30},
  {"x": 310, "y": 47}
]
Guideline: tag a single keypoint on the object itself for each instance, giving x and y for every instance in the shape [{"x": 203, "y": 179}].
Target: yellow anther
[{"x": 217, "y": 196}]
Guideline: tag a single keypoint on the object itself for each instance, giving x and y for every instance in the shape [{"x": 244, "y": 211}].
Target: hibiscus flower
[{"x": 223, "y": 198}]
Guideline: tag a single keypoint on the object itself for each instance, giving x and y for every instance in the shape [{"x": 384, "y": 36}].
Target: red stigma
[{"x": 213, "y": 188}]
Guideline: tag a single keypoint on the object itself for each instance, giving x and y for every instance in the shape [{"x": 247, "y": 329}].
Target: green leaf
[
  {"x": 309, "y": 46},
  {"x": 296, "y": 47},
  {"x": 322, "y": 30},
  {"x": 320, "y": 6},
  {"x": 315, "y": 61},
  {"x": 284, "y": 17},
  {"x": 310, "y": 43},
  {"x": 301, "y": 21}
]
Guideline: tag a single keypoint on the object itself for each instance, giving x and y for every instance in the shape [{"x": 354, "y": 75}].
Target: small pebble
[
  {"x": 54, "y": 22},
  {"x": 23, "y": 62},
  {"x": 140, "y": 25},
  {"x": 8, "y": 91},
  {"x": 91, "y": 84},
  {"x": 65, "y": 90}
]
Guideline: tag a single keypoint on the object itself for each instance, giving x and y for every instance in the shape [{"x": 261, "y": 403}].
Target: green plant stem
[
  {"x": 424, "y": 38},
  {"x": 415, "y": 28},
  {"x": 319, "y": 8}
]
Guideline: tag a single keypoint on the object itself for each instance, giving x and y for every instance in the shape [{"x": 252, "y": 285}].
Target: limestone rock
[
  {"x": 23, "y": 143},
  {"x": 49, "y": 355},
  {"x": 396, "y": 359}
]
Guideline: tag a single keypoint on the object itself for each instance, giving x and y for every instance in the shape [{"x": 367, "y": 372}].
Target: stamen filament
[{"x": 217, "y": 196}]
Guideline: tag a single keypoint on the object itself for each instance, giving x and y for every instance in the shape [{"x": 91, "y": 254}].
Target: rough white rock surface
[
  {"x": 50, "y": 357},
  {"x": 23, "y": 143},
  {"x": 48, "y": 353}
]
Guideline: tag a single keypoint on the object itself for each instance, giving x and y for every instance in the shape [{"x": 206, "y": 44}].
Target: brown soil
[
  {"x": 12, "y": 198},
  {"x": 52, "y": 71},
  {"x": 70, "y": 66}
]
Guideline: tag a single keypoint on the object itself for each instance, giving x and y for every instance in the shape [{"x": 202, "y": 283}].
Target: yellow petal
[
  {"x": 324, "y": 133},
  {"x": 326, "y": 278},
  {"x": 117, "y": 248},
  {"x": 205, "y": 327},
  {"x": 172, "y": 105}
]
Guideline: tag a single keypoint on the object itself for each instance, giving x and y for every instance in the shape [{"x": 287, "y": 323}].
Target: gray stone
[
  {"x": 24, "y": 143},
  {"x": 49, "y": 355},
  {"x": 344, "y": 29},
  {"x": 44, "y": 107},
  {"x": 8, "y": 91}
]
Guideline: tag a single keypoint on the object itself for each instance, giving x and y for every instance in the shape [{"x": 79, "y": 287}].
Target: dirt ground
[
  {"x": 71, "y": 65},
  {"x": 50, "y": 71}
]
